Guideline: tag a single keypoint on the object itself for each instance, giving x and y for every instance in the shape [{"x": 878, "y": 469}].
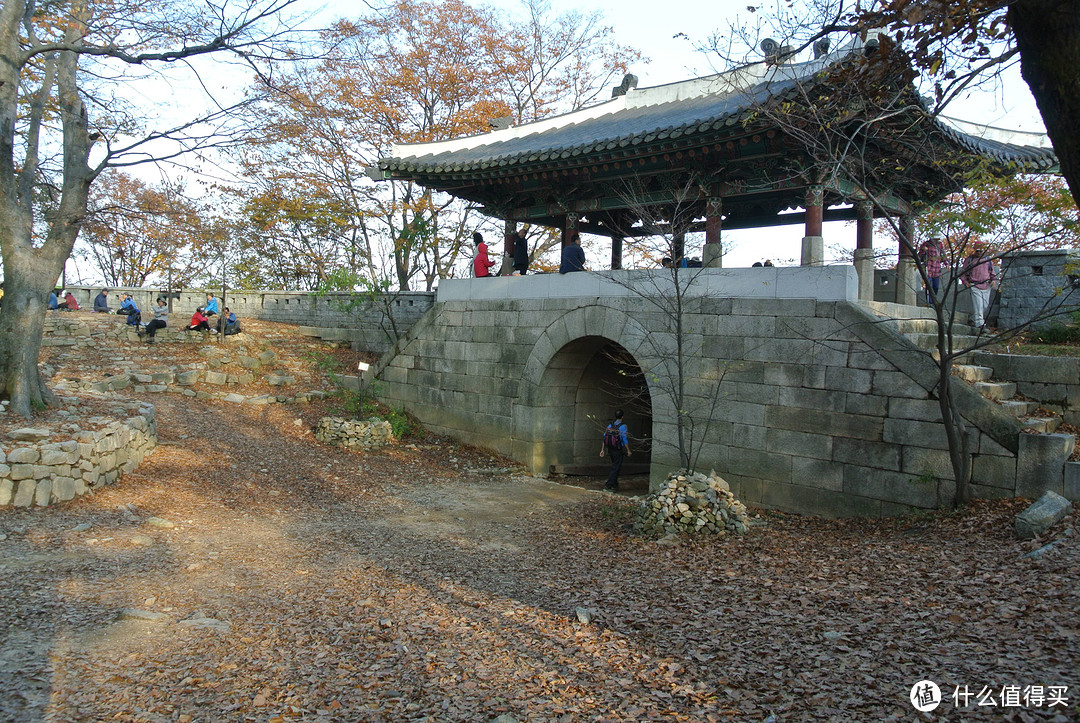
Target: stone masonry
[{"x": 818, "y": 407}]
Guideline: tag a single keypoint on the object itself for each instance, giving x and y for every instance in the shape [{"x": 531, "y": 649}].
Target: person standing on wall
[
  {"x": 573, "y": 256},
  {"x": 978, "y": 276},
  {"x": 521, "y": 250},
  {"x": 481, "y": 263},
  {"x": 617, "y": 447}
]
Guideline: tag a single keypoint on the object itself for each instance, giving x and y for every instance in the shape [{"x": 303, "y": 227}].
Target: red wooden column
[
  {"x": 813, "y": 244},
  {"x": 509, "y": 231},
  {"x": 907, "y": 276},
  {"x": 569, "y": 227},
  {"x": 712, "y": 255},
  {"x": 864, "y": 248}
]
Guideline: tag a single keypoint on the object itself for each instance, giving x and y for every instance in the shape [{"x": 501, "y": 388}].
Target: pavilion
[{"x": 739, "y": 149}]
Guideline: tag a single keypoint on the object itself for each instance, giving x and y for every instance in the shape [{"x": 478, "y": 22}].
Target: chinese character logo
[{"x": 925, "y": 696}]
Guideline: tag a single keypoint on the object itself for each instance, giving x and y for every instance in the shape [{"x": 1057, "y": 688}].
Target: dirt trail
[{"x": 434, "y": 582}]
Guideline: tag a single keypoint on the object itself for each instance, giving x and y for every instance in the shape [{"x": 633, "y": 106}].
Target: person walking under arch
[{"x": 617, "y": 447}]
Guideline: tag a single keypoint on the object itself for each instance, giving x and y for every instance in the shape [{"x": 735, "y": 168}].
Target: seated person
[
  {"x": 69, "y": 303},
  {"x": 211, "y": 306},
  {"x": 227, "y": 323},
  {"x": 101, "y": 302},
  {"x": 198, "y": 322},
  {"x": 54, "y": 301},
  {"x": 134, "y": 316},
  {"x": 127, "y": 305}
]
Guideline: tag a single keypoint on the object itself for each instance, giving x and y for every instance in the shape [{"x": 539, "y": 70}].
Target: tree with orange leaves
[{"x": 414, "y": 71}]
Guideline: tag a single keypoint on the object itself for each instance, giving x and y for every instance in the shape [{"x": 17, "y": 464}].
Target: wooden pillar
[
  {"x": 864, "y": 248},
  {"x": 712, "y": 255},
  {"x": 813, "y": 244},
  {"x": 569, "y": 227},
  {"x": 616, "y": 252},
  {"x": 509, "y": 231},
  {"x": 678, "y": 244},
  {"x": 907, "y": 276}
]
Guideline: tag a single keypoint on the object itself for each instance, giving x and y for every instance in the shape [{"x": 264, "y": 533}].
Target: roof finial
[{"x": 629, "y": 82}]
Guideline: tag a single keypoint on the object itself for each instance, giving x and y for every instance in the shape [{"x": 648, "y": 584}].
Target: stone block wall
[
  {"x": 817, "y": 406},
  {"x": 43, "y": 473},
  {"x": 1034, "y": 282},
  {"x": 1053, "y": 382},
  {"x": 368, "y": 323}
]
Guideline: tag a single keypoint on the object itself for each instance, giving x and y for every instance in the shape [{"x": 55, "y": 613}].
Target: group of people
[
  {"x": 200, "y": 321},
  {"x": 573, "y": 256},
  {"x": 976, "y": 271}
]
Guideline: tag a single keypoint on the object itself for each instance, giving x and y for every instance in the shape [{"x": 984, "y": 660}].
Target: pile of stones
[
  {"x": 370, "y": 434},
  {"x": 691, "y": 502}
]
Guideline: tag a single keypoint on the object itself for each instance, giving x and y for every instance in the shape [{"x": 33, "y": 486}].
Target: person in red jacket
[
  {"x": 69, "y": 302},
  {"x": 198, "y": 322},
  {"x": 481, "y": 264}
]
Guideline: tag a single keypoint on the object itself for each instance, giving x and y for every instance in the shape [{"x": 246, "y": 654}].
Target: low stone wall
[
  {"x": 35, "y": 471},
  {"x": 1053, "y": 382},
  {"x": 368, "y": 325},
  {"x": 370, "y": 434}
]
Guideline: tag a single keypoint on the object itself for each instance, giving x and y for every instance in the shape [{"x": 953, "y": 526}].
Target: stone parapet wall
[
  {"x": 43, "y": 472},
  {"x": 818, "y": 406},
  {"x": 1034, "y": 281},
  {"x": 368, "y": 322}
]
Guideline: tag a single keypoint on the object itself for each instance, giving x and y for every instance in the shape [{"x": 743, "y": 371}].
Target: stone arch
[{"x": 568, "y": 390}]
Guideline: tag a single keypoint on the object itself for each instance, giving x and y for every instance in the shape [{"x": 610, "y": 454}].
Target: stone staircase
[{"x": 919, "y": 326}]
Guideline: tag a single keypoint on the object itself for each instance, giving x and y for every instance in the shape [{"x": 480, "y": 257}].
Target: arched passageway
[{"x": 581, "y": 387}]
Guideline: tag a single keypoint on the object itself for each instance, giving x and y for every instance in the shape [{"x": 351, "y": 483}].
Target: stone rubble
[
  {"x": 691, "y": 502},
  {"x": 370, "y": 434}
]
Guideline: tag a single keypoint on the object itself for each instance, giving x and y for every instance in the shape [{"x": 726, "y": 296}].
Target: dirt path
[{"x": 433, "y": 583}]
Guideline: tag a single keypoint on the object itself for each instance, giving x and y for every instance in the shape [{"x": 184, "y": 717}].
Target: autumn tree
[
  {"x": 135, "y": 232},
  {"x": 65, "y": 119},
  {"x": 407, "y": 72}
]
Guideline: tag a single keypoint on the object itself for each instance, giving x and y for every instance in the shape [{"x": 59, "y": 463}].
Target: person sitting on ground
[
  {"x": 69, "y": 303},
  {"x": 128, "y": 308},
  {"x": 160, "y": 320},
  {"x": 54, "y": 300},
  {"x": 127, "y": 305},
  {"x": 481, "y": 263},
  {"x": 101, "y": 302},
  {"x": 227, "y": 323},
  {"x": 573, "y": 256},
  {"x": 211, "y": 306},
  {"x": 199, "y": 322}
]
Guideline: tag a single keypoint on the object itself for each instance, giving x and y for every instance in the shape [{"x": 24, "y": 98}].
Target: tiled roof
[{"x": 642, "y": 116}]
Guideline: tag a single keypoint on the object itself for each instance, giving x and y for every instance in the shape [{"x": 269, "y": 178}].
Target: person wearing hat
[
  {"x": 932, "y": 255},
  {"x": 978, "y": 276}
]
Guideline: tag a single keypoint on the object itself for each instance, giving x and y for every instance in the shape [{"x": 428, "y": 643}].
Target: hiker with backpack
[{"x": 617, "y": 447}]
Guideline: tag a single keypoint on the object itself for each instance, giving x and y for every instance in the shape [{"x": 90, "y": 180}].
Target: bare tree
[{"x": 64, "y": 120}]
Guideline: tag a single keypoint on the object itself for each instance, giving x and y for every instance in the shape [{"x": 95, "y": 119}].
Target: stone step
[
  {"x": 973, "y": 372},
  {"x": 1042, "y": 425},
  {"x": 1019, "y": 408},
  {"x": 929, "y": 341},
  {"x": 996, "y": 390}
]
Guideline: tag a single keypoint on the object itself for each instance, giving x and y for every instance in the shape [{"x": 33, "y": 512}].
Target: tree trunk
[
  {"x": 1048, "y": 38},
  {"x": 22, "y": 321}
]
